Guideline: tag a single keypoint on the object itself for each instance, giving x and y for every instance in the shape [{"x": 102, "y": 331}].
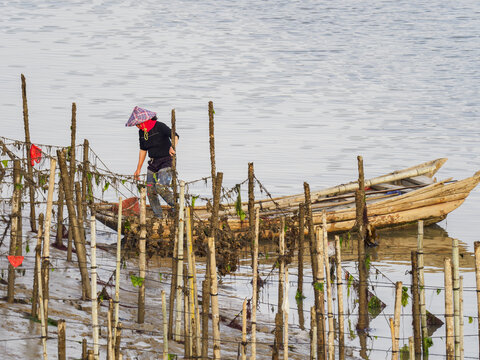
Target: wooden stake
[
  {"x": 417, "y": 337},
  {"x": 331, "y": 330},
  {"x": 214, "y": 298},
  {"x": 313, "y": 334},
  {"x": 421, "y": 279},
  {"x": 244, "y": 330},
  {"x": 118, "y": 339},
  {"x": 16, "y": 214},
  {"x": 93, "y": 267},
  {"x": 34, "y": 312},
  {"x": 205, "y": 313},
  {"x": 477, "y": 278},
  {"x": 317, "y": 278},
  {"x": 456, "y": 296},
  {"x": 212, "y": 142},
  {"x": 117, "y": 268},
  {"x": 181, "y": 227},
  {"x": 142, "y": 256},
  {"x": 396, "y": 319},
  {"x": 90, "y": 355},
  {"x": 449, "y": 331},
  {"x": 165, "y": 326},
  {"x": 79, "y": 245},
  {"x": 60, "y": 203},
  {"x": 301, "y": 239},
  {"x": 43, "y": 321},
  {"x": 61, "y": 340},
  {"x": 341, "y": 324},
  {"x": 28, "y": 144},
  {"x": 84, "y": 349},
  {"x": 85, "y": 169},
  {"x": 254, "y": 285},
  {"x": 71, "y": 179},
  {"x": 251, "y": 205},
  {"x": 78, "y": 197}
]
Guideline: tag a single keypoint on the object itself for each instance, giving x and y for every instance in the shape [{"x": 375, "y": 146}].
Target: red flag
[
  {"x": 15, "y": 260},
  {"x": 35, "y": 154}
]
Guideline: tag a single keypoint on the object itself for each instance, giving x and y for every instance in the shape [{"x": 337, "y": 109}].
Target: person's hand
[
  {"x": 136, "y": 175},
  {"x": 171, "y": 151}
]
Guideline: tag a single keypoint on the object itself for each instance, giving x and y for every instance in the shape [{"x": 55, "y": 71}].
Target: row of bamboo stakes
[{"x": 321, "y": 347}]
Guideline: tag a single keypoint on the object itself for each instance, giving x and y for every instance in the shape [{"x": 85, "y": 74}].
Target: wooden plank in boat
[{"x": 419, "y": 180}]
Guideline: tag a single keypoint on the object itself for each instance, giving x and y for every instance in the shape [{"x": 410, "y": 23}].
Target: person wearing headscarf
[{"x": 155, "y": 140}]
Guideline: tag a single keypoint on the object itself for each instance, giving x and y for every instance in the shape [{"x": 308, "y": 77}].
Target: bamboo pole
[
  {"x": 313, "y": 334},
  {"x": 118, "y": 338},
  {"x": 421, "y": 279},
  {"x": 456, "y": 296},
  {"x": 43, "y": 321},
  {"x": 79, "y": 245},
  {"x": 31, "y": 188},
  {"x": 180, "y": 232},
  {"x": 117, "y": 268},
  {"x": 396, "y": 318},
  {"x": 449, "y": 331},
  {"x": 93, "y": 267},
  {"x": 16, "y": 213},
  {"x": 61, "y": 340},
  {"x": 60, "y": 203},
  {"x": 417, "y": 337},
  {"x": 214, "y": 298},
  {"x": 277, "y": 337},
  {"x": 110, "y": 344},
  {"x": 186, "y": 315},
  {"x": 46, "y": 241},
  {"x": 34, "y": 312},
  {"x": 173, "y": 283},
  {"x": 331, "y": 330},
  {"x": 255, "y": 286},
  {"x": 317, "y": 278},
  {"x": 477, "y": 278},
  {"x": 285, "y": 314},
  {"x": 165, "y": 326},
  {"x": 461, "y": 319},
  {"x": 392, "y": 334},
  {"x": 281, "y": 279},
  {"x": 192, "y": 276},
  {"x": 142, "y": 256},
  {"x": 341, "y": 322},
  {"x": 411, "y": 347},
  {"x": 244, "y": 330}
]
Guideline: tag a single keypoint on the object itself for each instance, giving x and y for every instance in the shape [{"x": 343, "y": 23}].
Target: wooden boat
[{"x": 397, "y": 199}]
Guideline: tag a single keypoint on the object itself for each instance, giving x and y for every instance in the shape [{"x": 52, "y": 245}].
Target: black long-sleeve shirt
[{"x": 158, "y": 141}]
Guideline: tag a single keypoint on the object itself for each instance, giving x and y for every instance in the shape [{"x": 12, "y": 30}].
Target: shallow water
[{"x": 299, "y": 88}]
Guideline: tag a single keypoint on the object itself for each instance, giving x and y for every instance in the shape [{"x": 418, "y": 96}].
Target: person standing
[{"x": 155, "y": 140}]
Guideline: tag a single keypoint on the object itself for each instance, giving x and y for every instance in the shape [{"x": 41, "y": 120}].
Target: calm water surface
[{"x": 300, "y": 88}]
